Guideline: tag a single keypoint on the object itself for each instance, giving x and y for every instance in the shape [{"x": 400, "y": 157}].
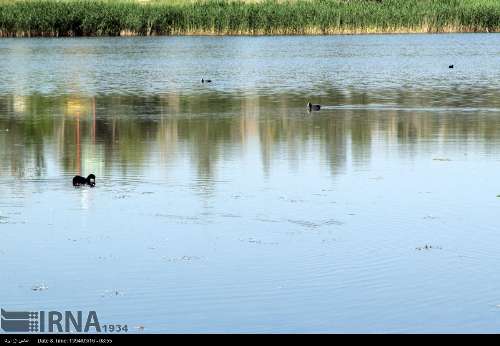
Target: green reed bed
[{"x": 219, "y": 17}]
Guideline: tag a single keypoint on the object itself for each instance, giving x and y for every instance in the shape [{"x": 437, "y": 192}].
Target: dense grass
[{"x": 162, "y": 17}]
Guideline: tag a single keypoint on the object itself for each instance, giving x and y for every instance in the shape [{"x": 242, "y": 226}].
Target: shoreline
[{"x": 256, "y": 34}]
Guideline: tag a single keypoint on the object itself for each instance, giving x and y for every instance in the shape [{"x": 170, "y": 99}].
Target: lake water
[{"x": 227, "y": 207}]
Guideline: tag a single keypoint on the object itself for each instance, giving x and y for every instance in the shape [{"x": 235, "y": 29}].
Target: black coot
[
  {"x": 312, "y": 107},
  {"x": 79, "y": 180}
]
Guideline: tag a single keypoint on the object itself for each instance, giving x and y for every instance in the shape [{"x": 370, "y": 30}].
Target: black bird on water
[
  {"x": 312, "y": 107},
  {"x": 78, "y": 180},
  {"x": 206, "y": 80},
  {"x": 451, "y": 66}
]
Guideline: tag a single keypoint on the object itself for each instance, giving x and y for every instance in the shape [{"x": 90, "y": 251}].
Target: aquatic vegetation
[
  {"x": 182, "y": 259},
  {"x": 428, "y": 247},
  {"x": 39, "y": 287},
  {"x": 441, "y": 159},
  {"x": 113, "y": 292},
  {"x": 219, "y": 17}
]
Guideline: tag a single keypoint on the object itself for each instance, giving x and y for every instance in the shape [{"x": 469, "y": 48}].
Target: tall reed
[{"x": 255, "y": 17}]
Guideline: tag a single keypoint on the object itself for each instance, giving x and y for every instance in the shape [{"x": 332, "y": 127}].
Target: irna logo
[{"x": 50, "y": 322}]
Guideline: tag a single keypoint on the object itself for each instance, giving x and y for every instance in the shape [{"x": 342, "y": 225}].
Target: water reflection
[{"x": 125, "y": 133}]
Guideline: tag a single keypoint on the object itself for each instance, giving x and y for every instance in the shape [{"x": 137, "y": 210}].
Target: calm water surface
[{"x": 226, "y": 207}]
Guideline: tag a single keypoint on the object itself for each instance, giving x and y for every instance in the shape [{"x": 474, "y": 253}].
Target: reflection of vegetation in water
[
  {"x": 142, "y": 17},
  {"x": 24, "y": 138},
  {"x": 124, "y": 133}
]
